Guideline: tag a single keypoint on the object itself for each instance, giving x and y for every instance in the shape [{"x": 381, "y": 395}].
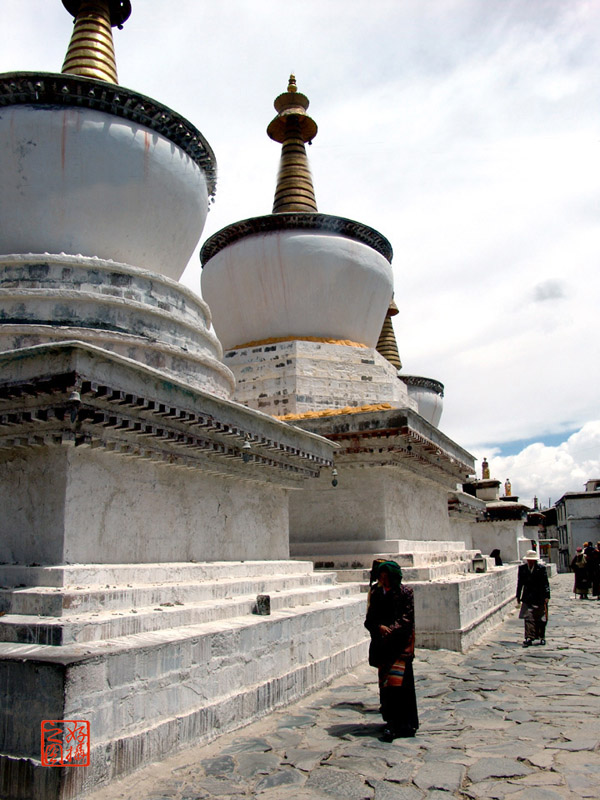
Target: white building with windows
[{"x": 578, "y": 520}]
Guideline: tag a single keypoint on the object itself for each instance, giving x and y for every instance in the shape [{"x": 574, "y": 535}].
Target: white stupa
[
  {"x": 143, "y": 510},
  {"x": 299, "y": 297}
]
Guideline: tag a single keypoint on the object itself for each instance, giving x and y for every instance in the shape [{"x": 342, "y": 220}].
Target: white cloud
[{"x": 549, "y": 472}]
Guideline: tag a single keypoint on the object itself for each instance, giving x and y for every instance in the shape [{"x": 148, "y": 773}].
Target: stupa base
[
  {"x": 201, "y": 663},
  {"x": 297, "y": 376}
]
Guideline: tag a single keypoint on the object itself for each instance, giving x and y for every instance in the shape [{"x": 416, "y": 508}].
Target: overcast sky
[{"x": 466, "y": 131}]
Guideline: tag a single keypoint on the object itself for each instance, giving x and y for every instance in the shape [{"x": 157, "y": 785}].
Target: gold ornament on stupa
[
  {"x": 91, "y": 51},
  {"x": 386, "y": 344},
  {"x": 292, "y": 127}
]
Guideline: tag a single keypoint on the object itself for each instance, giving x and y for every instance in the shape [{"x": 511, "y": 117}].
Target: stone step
[
  {"x": 103, "y": 625},
  {"x": 374, "y": 547},
  {"x": 60, "y": 602},
  {"x": 356, "y": 560},
  {"x": 104, "y": 575},
  {"x": 430, "y": 572},
  {"x": 147, "y": 695}
]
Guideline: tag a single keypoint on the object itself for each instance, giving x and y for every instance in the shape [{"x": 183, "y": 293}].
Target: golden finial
[
  {"x": 91, "y": 52},
  {"x": 292, "y": 127},
  {"x": 387, "y": 345}
]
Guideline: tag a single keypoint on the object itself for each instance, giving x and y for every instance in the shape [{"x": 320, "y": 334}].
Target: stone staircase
[
  {"x": 160, "y": 656},
  {"x": 120, "y": 601},
  {"x": 420, "y": 560}
]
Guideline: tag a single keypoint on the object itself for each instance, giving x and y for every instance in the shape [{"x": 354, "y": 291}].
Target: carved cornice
[
  {"x": 138, "y": 413},
  {"x": 295, "y": 221},
  {"x": 70, "y": 408},
  {"x": 55, "y": 91},
  {"x": 424, "y": 383}
]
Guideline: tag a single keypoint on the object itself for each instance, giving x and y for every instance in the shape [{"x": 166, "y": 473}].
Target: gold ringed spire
[
  {"x": 91, "y": 50},
  {"x": 292, "y": 127}
]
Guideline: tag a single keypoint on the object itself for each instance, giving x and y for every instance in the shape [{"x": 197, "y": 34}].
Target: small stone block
[{"x": 263, "y": 604}]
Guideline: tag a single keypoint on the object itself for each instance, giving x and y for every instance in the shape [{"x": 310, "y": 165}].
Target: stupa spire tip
[
  {"x": 292, "y": 127},
  {"x": 91, "y": 51}
]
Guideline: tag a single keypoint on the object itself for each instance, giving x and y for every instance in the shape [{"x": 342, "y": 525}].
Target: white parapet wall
[{"x": 454, "y": 614}]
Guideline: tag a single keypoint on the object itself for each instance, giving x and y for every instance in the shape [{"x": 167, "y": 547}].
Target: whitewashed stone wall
[
  {"x": 415, "y": 508},
  {"x": 505, "y": 535},
  {"x": 148, "y": 696},
  {"x": 77, "y": 505},
  {"x": 462, "y": 531},
  {"x": 372, "y": 503},
  {"x": 455, "y": 614}
]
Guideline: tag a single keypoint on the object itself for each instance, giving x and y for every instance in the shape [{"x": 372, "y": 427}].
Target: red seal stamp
[{"x": 65, "y": 743}]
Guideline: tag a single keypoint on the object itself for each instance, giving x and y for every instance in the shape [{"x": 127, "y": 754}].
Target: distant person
[
  {"x": 391, "y": 622},
  {"x": 533, "y": 592},
  {"x": 592, "y": 556},
  {"x": 579, "y": 566},
  {"x": 596, "y": 572},
  {"x": 495, "y": 554}
]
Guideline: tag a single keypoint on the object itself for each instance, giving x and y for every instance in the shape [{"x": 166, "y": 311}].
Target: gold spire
[
  {"x": 386, "y": 344},
  {"x": 91, "y": 51},
  {"x": 293, "y": 127}
]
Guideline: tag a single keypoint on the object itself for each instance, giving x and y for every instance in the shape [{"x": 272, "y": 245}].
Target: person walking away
[
  {"x": 579, "y": 566},
  {"x": 391, "y": 622},
  {"x": 594, "y": 562},
  {"x": 533, "y": 593}
]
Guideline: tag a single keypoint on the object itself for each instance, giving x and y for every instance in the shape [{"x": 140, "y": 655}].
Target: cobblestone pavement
[{"x": 498, "y": 722}]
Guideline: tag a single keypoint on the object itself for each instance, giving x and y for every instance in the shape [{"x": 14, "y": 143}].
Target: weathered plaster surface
[
  {"x": 326, "y": 514},
  {"x": 371, "y": 503},
  {"x": 504, "y": 535},
  {"x": 297, "y": 376},
  {"x": 32, "y": 498},
  {"x": 80, "y": 181},
  {"x": 415, "y": 508},
  {"x": 133, "y": 312},
  {"x": 81, "y": 505}
]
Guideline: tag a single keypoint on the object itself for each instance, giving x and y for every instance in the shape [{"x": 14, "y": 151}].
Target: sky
[{"x": 466, "y": 131}]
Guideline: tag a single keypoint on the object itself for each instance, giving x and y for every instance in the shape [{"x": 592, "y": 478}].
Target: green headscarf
[{"x": 394, "y": 571}]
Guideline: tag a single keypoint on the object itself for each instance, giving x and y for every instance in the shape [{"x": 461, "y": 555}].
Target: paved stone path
[{"x": 498, "y": 722}]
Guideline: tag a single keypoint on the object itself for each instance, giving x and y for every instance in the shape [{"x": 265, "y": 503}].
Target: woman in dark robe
[
  {"x": 580, "y": 567},
  {"x": 391, "y": 623},
  {"x": 592, "y": 556}
]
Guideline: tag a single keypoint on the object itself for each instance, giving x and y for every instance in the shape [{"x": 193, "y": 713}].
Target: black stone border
[
  {"x": 57, "y": 90},
  {"x": 295, "y": 221},
  {"x": 425, "y": 383}
]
